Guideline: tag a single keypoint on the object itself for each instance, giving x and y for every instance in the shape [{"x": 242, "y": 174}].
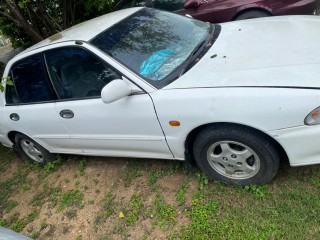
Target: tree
[{"x": 29, "y": 21}]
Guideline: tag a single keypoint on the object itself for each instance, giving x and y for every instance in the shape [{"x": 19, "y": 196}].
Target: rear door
[{"x": 30, "y": 106}]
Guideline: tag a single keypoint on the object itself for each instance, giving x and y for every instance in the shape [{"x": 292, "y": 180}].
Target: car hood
[{"x": 268, "y": 52}]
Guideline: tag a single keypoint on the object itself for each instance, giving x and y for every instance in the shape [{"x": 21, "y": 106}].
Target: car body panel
[
  {"x": 250, "y": 107},
  {"x": 228, "y": 10},
  {"x": 7, "y": 234},
  {"x": 128, "y": 127},
  {"x": 286, "y": 59},
  {"x": 218, "y": 11},
  {"x": 300, "y": 143}
]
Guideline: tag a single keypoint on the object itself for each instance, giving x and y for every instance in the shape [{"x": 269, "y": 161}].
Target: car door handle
[
  {"x": 66, "y": 113},
  {"x": 14, "y": 117}
]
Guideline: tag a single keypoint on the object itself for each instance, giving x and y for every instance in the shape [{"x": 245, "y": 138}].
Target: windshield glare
[{"x": 152, "y": 43}]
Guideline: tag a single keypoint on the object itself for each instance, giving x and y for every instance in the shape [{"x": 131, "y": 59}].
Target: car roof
[{"x": 87, "y": 30}]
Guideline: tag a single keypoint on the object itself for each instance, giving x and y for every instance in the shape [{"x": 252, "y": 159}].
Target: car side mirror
[
  {"x": 115, "y": 90},
  {"x": 191, "y": 4}
]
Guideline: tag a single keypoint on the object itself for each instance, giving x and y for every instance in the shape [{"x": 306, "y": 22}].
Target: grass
[{"x": 158, "y": 199}]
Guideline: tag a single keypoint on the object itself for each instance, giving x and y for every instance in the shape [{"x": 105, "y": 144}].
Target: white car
[{"x": 237, "y": 97}]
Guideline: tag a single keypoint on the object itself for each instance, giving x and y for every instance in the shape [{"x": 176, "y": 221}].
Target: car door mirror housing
[
  {"x": 191, "y": 4},
  {"x": 115, "y": 90}
]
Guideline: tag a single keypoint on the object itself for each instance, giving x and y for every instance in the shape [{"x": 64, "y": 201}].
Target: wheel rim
[
  {"x": 233, "y": 160},
  {"x": 31, "y": 150}
]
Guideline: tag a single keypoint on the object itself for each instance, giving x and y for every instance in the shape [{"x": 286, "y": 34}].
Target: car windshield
[{"x": 153, "y": 44}]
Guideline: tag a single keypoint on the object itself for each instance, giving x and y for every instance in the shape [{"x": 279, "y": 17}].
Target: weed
[
  {"x": 66, "y": 180},
  {"x": 78, "y": 237},
  {"x": 133, "y": 210},
  {"x": 71, "y": 198},
  {"x": 16, "y": 223},
  {"x": 35, "y": 235},
  {"x": 54, "y": 165},
  {"x": 25, "y": 187},
  {"x": 47, "y": 194},
  {"x": 154, "y": 176},
  {"x": 180, "y": 196},
  {"x": 202, "y": 217},
  {"x": 77, "y": 184},
  {"x": 9, "y": 205},
  {"x": 108, "y": 209},
  {"x": 82, "y": 166},
  {"x": 202, "y": 179},
  {"x": 164, "y": 214},
  {"x": 10, "y": 186},
  {"x": 91, "y": 202},
  {"x": 132, "y": 172},
  {"x": 258, "y": 191},
  {"x": 95, "y": 180},
  {"x": 43, "y": 225},
  {"x": 97, "y": 191},
  {"x": 71, "y": 214}
]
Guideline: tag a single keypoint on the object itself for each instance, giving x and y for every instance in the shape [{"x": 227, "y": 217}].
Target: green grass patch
[
  {"x": 72, "y": 198},
  {"x": 163, "y": 214},
  {"x": 107, "y": 210},
  {"x": 180, "y": 196},
  {"x": 133, "y": 210}
]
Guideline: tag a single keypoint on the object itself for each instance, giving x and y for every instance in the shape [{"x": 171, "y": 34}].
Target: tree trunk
[{"x": 16, "y": 16}]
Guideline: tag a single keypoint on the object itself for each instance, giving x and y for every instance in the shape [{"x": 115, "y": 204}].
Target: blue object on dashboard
[{"x": 150, "y": 66}]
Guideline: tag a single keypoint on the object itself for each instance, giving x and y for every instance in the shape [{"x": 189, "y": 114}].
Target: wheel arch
[
  {"x": 12, "y": 135},
  {"x": 190, "y": 139},
  {"x": 245, "y": 10}
]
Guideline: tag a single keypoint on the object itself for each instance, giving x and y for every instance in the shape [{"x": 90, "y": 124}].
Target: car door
[
  {"x": 30, "y": 105},
  {"x": 128, "y": 127}
]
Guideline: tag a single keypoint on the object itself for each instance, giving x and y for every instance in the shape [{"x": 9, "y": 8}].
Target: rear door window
[{"x": 30, "y": 83}]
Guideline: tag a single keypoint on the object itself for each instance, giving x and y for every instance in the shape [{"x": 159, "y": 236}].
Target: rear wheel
[
  {"x": 236, "y": 155},
  {"x": 32, "y": 151},
  {"x": 252, "y": 14}
]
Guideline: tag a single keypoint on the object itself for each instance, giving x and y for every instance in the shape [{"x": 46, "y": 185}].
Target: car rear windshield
[{"x": 152, "y": 43}]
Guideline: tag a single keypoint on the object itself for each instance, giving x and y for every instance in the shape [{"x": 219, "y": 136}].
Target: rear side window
[{"x": 30, "y": 82}]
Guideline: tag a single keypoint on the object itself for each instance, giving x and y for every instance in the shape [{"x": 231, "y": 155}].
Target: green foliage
[
  {"x": 164, "y": 214},
  {"x": 107, "y": 210},
  {"x": 154, "y": 176},
  {"x": 17, "y": 223},
  {"x": 180, "y": 196},
  {"x": 48, "y": 194},
  {"x": 71, "y": 198},
  {"x": 41, "y": 19},
  {"x": 202, "y": 216},
  {"x": 54, "y": 165},
  {"x": 133, "y": 210},
  {"x": 10, "y": 204},
  {"x": 9, "y": 187},
  {"x": 258, "y": 191},
  {"x": 202, "y": 179},
  {"x": 82, "y": 166}
]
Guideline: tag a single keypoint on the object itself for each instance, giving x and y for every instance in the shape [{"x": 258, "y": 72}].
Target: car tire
[
  {"x": 236, "y": 155},
  {"x": 252, "y": 14},
  {"x": 32, "y": 151}
]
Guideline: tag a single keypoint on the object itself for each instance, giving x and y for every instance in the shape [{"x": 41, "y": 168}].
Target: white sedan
[{"x": 236, "y": 98}]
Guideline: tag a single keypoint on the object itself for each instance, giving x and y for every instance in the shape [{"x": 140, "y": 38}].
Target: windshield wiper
[{"x": 195, "y": 50}]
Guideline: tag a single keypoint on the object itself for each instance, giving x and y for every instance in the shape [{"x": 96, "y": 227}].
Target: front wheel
[
  {"x": 236, "y": 155},
  {"x": 32, "y": 151}
]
